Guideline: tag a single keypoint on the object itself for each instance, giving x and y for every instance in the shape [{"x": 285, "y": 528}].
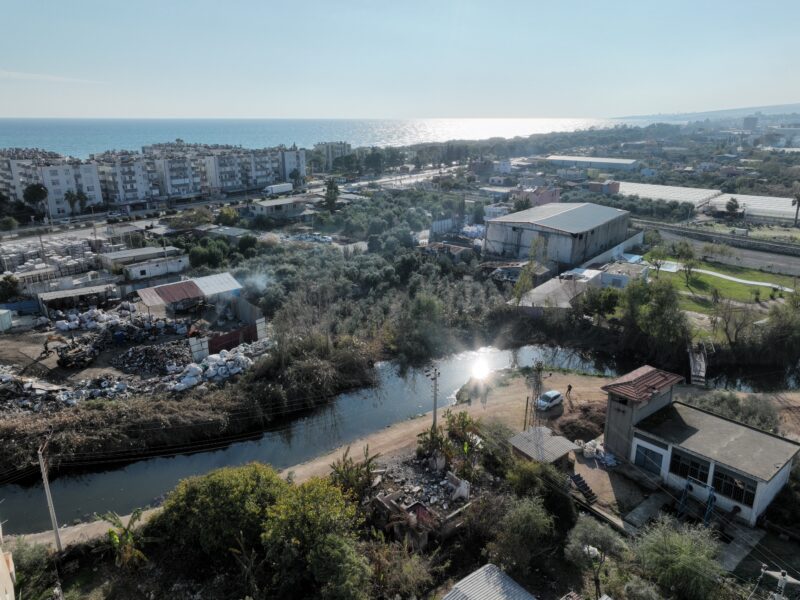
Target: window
[
  {"x": 687, "y": 466},
  {"x": 143, "y": 272},
  {"x": 734, "y": 486}
]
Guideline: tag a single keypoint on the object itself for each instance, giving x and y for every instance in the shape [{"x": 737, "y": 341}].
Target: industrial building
[
  {"x": 593, "y": 162},
  {"x": 112, "y": 260},
  {"x": 572, "y": 233},
  {"x": 760, "y": 209},
  {"x": 728, "y": 466},
  {"x": 697, "y": 196}
]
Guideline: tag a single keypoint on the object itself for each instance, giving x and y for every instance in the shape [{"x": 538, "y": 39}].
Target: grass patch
[{"x": 703, "y": 285}]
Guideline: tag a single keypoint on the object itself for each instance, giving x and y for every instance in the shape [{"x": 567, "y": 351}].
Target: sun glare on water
[{"x": 480, "y": 370}]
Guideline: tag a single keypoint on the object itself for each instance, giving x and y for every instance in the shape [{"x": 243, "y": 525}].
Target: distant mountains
[{"x": 728, "y": 113}]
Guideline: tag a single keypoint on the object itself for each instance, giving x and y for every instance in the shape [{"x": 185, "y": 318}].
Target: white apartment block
[
  {"x": 331, "y": 151},
  {"x": 74, "y": 176},
  {"x": 293, "y": 159},
  {"x": 127, "y": 178}
]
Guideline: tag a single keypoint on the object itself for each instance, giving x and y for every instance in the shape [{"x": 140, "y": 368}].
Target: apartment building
[
  {"x": 292, "y": 159},
  {"x": 127, "y": 178},
  {"x": 331, "y": 151}
]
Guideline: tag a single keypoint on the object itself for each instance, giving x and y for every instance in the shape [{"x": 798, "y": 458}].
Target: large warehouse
[
  {"x": 593, "y": 162},
  {"x": 696, "y": 196},
  {"x": 762, "y": 209},
  {"x": 573, "y": 233}
]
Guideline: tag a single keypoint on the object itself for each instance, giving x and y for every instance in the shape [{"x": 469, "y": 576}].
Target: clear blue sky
[{"x": 407, "y": 58}]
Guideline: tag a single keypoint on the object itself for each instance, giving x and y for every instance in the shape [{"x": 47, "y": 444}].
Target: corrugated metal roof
[
  {"x": 137, "y": 252},
  {"x": 177, "y": 292},
  {"x": 150, "y": 297},
  {"x": 488, "y": 583},
  {"x": 87, "y": 291},
  {"x": 217, "y": 284},
  {"x": 541, "y": 445},
  {"x": 593, "y": 159},
  {"x": 640, "y": 384},
  {"x": 566, "y": 217}
]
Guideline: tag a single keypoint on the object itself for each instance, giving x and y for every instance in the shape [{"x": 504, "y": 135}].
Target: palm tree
[
  {"x": 124, "y": 539},
  {"x": 72, "y": 199}
]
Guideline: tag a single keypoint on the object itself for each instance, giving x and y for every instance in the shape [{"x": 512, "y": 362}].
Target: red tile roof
[{"x": 639, "y": 385}]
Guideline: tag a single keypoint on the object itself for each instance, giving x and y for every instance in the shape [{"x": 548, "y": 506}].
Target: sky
[{"x": 399, "y": 59}]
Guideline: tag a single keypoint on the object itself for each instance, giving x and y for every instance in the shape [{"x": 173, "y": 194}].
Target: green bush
[
  {"x": 751, "y": 410},
  {"x": 534, "y": 479},
  {"x": 35, "y": 573},
  {"x": 8, "y": 223},
  {"x": 203, "y": 516}
]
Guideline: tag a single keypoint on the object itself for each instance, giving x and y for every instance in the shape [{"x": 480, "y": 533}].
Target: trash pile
[
  {"x": 164, "y": 359},
  {"x": 214, "y": 368},
  {"x": 28, "y": 394},
  {"x": 124, "y": 317}
]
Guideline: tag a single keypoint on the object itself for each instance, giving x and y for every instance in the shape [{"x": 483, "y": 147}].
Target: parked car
[{"x": 549, "y": 399}]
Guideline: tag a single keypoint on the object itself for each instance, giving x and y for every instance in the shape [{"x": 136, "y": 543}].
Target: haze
[{"x": 408, "y": 59}]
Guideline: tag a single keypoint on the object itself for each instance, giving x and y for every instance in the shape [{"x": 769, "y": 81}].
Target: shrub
[
  {"x": 529, "y": 478},
  {"x": 35, "y": 575},
  {"x": 522, "y": 535},
  {"x": 751, "y": 410},
  {"x": 8, "y": 223},
  {"x": 203, "y": 516},
  {"x": 681, "y": 558}
]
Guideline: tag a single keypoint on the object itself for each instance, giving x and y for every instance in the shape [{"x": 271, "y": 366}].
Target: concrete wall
[
  {"x": 617, "y": 251},
  {"x": 767, "y": 491},
  {"x": 618, "y": 431}
]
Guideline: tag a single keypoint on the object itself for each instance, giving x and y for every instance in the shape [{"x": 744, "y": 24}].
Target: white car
[{"x": 549, "y": 399}]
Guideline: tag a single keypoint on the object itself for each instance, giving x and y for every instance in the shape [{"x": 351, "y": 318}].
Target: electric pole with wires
[
  {"x": 46, "y": 483},
  {"x": 433, "y": 374}
]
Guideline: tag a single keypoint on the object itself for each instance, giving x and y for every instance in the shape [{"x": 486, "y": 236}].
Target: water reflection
[{"x": 396, "y": 397}]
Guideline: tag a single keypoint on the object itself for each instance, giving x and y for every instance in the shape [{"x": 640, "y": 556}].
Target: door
[{"x": 649, "y": 460}]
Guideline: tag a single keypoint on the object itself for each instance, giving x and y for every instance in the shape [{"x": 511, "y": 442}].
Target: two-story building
[{"x": 727, "y": 465}]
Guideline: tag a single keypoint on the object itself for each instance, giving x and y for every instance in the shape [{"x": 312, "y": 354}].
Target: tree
[
  {"x": 735, "y": 321},
  {"x": 522, "y": 534},
  {"x": 125, "y": 539},
  {"x": 310, "y": 544},
  {"x": 198, "y": 256},
  {"x": 398, "y": 571},
  {"x": 681, "y": 558},
  {"x": 478, "y": 214},
  {"x": 246, "y": 242},
  {"x": 353, "y": 477},
  {"x": 534, "y": 479},
  {"x": 9, "y": 288},
  {"x": 296, "y": 178},
  {"x": 657, "y": 257},
  {"x": 331, "y": 194},
  {"x": 8, "y": 223},
  {"x": 34, "y": 195},
  {"x": 732, "y": 207},
  {"x": 374, "y": 161},
  {"x": 227, "y": 216},
  {"x": 590, "y": 543},
  {"x": 83, "y": 200},
  {"x": 203, "y": 516},
  {"x": 689, "y": 266},
  {"x": 72, "y": 199}
]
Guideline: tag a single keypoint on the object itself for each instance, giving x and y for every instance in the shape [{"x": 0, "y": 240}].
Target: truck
[{"x": 278, "y": 188}]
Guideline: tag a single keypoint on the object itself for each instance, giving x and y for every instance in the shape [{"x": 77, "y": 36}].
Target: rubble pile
[
  {"x": 412, "y": 481},
  {"x": 164, "y": 359},
  {"x": 28, "y": 394},
  {"x": 214, "y": 368}
]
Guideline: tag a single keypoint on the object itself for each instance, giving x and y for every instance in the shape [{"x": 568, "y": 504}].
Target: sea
[{"x": 82, "y": 137}]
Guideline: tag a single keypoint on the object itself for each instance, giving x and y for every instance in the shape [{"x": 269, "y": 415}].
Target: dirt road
[{"x": 505, "y": 403}]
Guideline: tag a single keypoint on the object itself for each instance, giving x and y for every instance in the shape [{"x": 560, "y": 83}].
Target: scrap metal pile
[{"x": 163, "y": 359}]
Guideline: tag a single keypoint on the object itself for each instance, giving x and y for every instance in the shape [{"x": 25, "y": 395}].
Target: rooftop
[
  {"x": 87, "y": 291},
  {"x": 554, "y": 293},
  {"x": 539, "y": 443},
  {"x": 217, "y": 284},
  {"x": 758, "y": 206},
  {"x": 668, "y": 193},
  {"x": 137, "y": 252},
  {"x": 229, "y": 231},
  {"x": 281, "y": 201},
  {"x": 611, "y": 161},
  {"x": 566, "y": 217},
  {"x": 641, "y": 384},
  {"x": 488, "y": 583},
  {"x": 746, "y": 449}
]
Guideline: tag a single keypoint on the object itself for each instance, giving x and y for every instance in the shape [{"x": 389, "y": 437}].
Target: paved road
[
  {"x": 744, "y": 281},
  {"x": 764, "y": 261}
]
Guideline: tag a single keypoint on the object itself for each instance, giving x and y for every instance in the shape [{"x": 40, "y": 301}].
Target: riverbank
[{"x": 505, "y": 403}]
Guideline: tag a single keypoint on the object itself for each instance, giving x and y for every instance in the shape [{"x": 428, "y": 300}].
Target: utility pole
[
  {"x": 536, "y": 391},
  {"x": 758, "y": 581},
  {"x": 46, "y": 483},
  {"x": 433, "y": 374}
]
